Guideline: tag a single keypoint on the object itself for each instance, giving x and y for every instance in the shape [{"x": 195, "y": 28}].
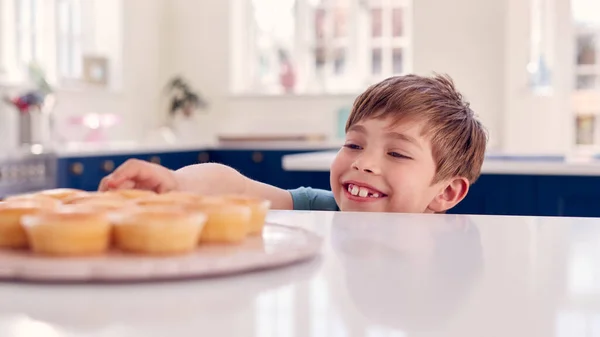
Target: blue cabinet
[
  {"x": 574, "y": 196},
  {"x": 569, "y": 196},
  {"x": 85, "y": 173},
  {"x": 500, "y": 195},
  {"x": 263, "y": 165}
]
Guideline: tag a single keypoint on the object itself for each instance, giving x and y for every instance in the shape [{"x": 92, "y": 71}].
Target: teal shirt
[{"x": 310, "y": 199}]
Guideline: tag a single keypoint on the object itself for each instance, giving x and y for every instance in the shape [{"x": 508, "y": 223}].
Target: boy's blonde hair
[{"x": 458, "y": 138}]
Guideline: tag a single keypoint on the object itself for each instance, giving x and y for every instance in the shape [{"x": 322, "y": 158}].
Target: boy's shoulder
[{"x": 313, "y": 199}]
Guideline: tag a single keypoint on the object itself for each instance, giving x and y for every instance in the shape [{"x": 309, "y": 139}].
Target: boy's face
[{"x": 390, "y": 169}]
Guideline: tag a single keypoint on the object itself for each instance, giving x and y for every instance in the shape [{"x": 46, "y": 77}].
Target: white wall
[{"x": 465, "y": 39}]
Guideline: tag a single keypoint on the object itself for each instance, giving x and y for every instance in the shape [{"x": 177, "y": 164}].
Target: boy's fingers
[
  {"x": 103, "y": 186},
  {"x": 130, "y": 170},
  {"x": 134, "y": 174},
  {"x": 127, "y": 185}
]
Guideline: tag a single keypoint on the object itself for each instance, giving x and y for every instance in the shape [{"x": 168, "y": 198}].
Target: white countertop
[
  {"x": 321, "y": 161},
  {"x": 379, "y": 275}
]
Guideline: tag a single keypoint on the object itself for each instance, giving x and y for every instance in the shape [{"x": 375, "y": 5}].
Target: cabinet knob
[
  {"x": 77, "y": 169},
  {"x": 108, "y": 166},
  {"x": 257, "y": 157},
  {"x": 203, "y": 157},
  {"x": 155, "y": 160}
]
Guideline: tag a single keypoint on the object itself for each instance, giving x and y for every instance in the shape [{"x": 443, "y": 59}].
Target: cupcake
[
  {"x": 61, "y": 193},
  {"x": 68, "y": 232},
  {"x": 259, "y": 209},
  {"x": 131, "y": 193},
  {"x": 99, "y": 200},
  {"x": 43, "y": 200},
  {"x": 159, "y": 230},
  {"x": 168, "y": 199},
  {"x": 12, "y": 234},
  {"x": 227, "y": 222}
]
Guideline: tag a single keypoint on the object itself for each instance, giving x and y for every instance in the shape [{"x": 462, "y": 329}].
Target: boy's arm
[{"x": 214, "y": 178}]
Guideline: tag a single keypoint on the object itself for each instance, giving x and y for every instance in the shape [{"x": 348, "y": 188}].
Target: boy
[{"x": 412, "y": 145}]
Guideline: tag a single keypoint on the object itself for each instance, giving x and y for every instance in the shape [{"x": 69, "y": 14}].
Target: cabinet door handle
[
  {"x": 203, "y": 157},
  {"x": 155, "y": 160},
  {"x": 77, "y": 169},
  {"x": 257, "y": 157},
  {"x": 108, "y": 166}
]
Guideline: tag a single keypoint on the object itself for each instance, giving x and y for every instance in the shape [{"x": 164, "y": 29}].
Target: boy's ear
[{"x": 452, "y": 192}]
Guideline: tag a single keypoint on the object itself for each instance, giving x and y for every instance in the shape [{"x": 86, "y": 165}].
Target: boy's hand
[{"x": 138, "y": 174}]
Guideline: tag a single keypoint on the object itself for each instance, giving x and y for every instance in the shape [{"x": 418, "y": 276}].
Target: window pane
[
  {"x": 25, "y": 45},
  {"x": 77, "y": 59},
  {"x": 340, "y": 22},
  {"x": 63, "y": 15},
  {"x": 586, "y": 82},
  {"x": 320, "y": 22},
  {"x": 320, "y": 58},
  {"x": 63, "y": 56},
  {"x": 585, "y": 129},
  {"x": 586, "y": 49},
  {"x": 376, "y": 22},
  {"x": 75, "y": 18},
  {"x": 376, "y": 61},
  {"x": 339, "y": 65},
  {"x": 398, "y": 61},
  {"x": 397, "y": 22},
  {"x": 24, "y": 14}
]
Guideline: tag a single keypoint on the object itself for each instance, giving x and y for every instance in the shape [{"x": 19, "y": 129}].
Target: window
[
  {"x": 69, "y": 38},
  {"x": 318, "y": 46},
  {"x": 586, "y": 95},
  {"x": 76, "y": 42},
  {"x": 27, "y": 36}
]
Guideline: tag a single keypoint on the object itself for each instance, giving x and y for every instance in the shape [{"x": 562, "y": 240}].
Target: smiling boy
[{"x": 412, "y": 145}]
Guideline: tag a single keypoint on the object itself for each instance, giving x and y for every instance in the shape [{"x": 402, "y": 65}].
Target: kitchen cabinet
[
  {"x": 263, "y": 165},
  {"x": 500, "y": 195},
  {"x": 539, "y": 195},
  {"x": 568, "y": 196},
  {"x": 86, "y": 172}
]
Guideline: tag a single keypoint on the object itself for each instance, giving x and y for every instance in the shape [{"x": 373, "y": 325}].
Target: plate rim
[{"x": 265, "y": 261}]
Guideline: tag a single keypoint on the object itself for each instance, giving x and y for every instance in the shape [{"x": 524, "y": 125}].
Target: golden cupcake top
[
  {"x": 65, "y": 216},
  {"x": 61, "y": 193},
  {"x": 163, "y": 215},
  {"x": 22, "y": 206},
  {"x": 131, "y": 193},
  {"x": 37, "y": 198}
]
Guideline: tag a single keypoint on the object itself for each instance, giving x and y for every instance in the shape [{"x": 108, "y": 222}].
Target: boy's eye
[
  {"x": 352, "y": 146},
  {"x": 398, "y": 155}
]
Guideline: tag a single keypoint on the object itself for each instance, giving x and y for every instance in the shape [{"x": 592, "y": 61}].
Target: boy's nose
[{"x": 368, "y": 165}]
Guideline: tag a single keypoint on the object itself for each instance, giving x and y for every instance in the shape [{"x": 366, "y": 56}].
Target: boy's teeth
[{"x": 363, "y": 192}]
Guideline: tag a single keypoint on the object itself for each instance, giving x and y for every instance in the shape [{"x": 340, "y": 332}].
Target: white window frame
[{"x": 358, "y": 44}]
